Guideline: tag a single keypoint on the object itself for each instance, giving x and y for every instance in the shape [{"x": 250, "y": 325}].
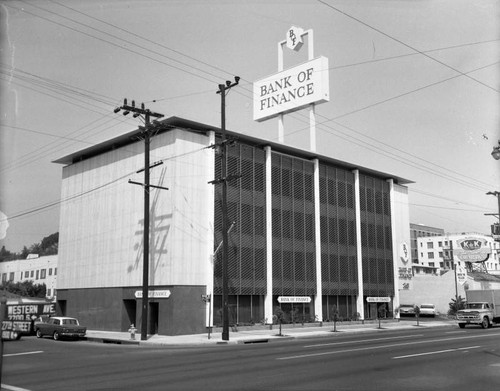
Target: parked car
[
  {"x": 407, "y": 310},
  {"x": 59, "y": 327},
  {"x": 428, "y": 310}
]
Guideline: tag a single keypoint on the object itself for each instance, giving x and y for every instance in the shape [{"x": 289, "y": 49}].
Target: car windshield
[
  {"x": 70, "y": 321},
  {"x": 427, "y": 306},
  {"x": 475, "y": 306}
]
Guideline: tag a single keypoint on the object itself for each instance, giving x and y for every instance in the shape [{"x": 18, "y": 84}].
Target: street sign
[
  {"x": 378, "y": 299},
  {"x": 294, "y": 299}
]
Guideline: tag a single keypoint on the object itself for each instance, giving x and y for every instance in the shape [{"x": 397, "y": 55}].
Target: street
[{"x": 416, "y": 359}]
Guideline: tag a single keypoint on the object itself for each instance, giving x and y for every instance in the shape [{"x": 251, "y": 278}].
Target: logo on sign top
[{"x": 294, "y": 38}]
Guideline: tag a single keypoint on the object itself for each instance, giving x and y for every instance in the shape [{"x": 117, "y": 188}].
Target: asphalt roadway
[{"x": 256, "y": 334}]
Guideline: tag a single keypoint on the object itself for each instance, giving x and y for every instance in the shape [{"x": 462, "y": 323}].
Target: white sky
[{"x": 413, "y": 90}]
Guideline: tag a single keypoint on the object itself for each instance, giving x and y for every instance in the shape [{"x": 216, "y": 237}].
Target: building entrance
[{"x": 153, "y": 318}]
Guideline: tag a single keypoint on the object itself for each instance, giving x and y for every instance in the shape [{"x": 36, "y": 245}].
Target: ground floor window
[{"x": 243, "y": 310}]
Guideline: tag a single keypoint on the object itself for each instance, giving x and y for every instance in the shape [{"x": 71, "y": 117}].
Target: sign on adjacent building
[
  {"x": 291, "y": 89},
  {"x": 472, "y": 249}
]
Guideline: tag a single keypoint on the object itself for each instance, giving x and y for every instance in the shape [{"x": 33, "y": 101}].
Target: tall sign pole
[{"x": 146, "y": 130}]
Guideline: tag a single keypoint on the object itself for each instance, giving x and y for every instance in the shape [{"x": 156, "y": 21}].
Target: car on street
[
  {"x": 407, "y": 310},
  {"x": 59, "y": 327},
  {"x": 428, "y": 310}
]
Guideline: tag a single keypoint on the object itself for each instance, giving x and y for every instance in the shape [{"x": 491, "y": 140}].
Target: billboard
[
  {"x": 472, "y": 249},
  {"x": 291, "y": 89}
]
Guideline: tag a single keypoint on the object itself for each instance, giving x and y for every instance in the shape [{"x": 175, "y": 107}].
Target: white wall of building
[
  {"x": 40, "y": 270},
  {"x": 401, "y": 241},
  {"x": 105, "y": 247}
]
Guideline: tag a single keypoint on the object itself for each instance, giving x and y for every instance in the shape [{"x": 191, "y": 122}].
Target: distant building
[
  {"x": 473, "y": 251},
  {"x": 421, "y": 231},
  {"x": 40, "y": 270}
]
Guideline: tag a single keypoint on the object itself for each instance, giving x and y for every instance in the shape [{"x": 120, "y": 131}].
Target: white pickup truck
[{"x": 482, "y": 308}]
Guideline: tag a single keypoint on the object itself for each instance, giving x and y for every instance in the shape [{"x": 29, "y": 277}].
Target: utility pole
[
  {"x": 223, "y": 88},
  {"x": 495, "y": 228},
  {"x": 146, "y": 131}
]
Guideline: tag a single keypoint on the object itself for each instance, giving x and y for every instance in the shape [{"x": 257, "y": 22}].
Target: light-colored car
[
  {"x": 60, "y": 327},
  {"x": 428, "y": 310},
  {"x": 407, "y": 310}
]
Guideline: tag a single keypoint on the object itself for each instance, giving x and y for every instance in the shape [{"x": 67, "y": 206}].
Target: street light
[{"x": 496, "y": 152}]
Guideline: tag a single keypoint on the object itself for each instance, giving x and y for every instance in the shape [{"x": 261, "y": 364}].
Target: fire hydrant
[{"x": 132, "y": 331}]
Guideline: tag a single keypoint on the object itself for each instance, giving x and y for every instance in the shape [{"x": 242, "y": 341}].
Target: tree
[
  {"x": 335, "y": 316},
  {"x": 26, "y": 288},
  {"x": 279, "y": 315},
  {"x": 417, "y": 314},
  {"x": 382, "y": 313},
  {"x": 456, "y": 305},
  {"x": 5, "y": 255}
]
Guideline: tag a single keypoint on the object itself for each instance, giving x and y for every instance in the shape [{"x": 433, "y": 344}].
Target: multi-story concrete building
[
  {"x": 421, "y": 231},
  {"x": 300, "y": 225},
  {"x": 40, "y": 270}
]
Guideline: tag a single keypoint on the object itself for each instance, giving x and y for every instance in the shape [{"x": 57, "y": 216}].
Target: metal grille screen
[
  {"x": 247, "y": 222},
  {"x": 376, "y": 237},
  {"x": 338, "y": 232},
  {"x": 294, "y": 271}
]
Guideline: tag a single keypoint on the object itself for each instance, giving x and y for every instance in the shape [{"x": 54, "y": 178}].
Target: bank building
[{"x": 300, "y": 225}]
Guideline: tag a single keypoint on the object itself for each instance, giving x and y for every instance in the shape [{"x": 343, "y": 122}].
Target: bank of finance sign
[{"x": 291, "y": 89}]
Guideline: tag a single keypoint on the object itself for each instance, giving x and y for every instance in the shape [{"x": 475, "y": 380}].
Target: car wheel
[
  {"x": 485, "y": 323},
  {"x": 38, "y": 333},
  {"x": 56, "y": 336},
  {"x": 461, "y": 325}
]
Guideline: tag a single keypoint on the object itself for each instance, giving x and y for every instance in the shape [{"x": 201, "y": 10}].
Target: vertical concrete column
[
  {"x": 359, "y": 255},
  {"x": 268, "y": 300},
  {"x": 395, "y": 246},
  {"x": 210, "y": 201},
  {"x": 318, "y": 300}
]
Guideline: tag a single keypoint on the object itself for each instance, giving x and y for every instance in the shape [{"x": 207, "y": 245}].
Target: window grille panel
[
  {"x": 376, "y": 236},
  {"x": 293, "y": 227},
  {"x": 246, "y": 208},
  {"x": 338, "y": 232}
]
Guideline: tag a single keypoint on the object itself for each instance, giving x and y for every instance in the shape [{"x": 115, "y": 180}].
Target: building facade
[
  {"x": 40, "y": 270},
  {"x": 421, "y": 231},
  {"x": 300, "y": 225}
]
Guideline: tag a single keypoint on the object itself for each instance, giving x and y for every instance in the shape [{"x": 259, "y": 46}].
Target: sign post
[{"x": 295, "y": 88}]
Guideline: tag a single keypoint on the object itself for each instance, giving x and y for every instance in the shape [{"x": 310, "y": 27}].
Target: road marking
[
  {"x": 22, "y": 354},
  {"x": 436, "y": 352},
  {"x": 364, "y": 340},
  {"x": 12, "y": 388},
  {"x": 386, "y": 346}
]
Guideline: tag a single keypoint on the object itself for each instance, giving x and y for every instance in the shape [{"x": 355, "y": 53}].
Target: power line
[{"x": 406, "y": 45}]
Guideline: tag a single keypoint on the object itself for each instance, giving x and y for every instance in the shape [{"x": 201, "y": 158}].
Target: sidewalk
[{"x": 262, "y": 334}]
